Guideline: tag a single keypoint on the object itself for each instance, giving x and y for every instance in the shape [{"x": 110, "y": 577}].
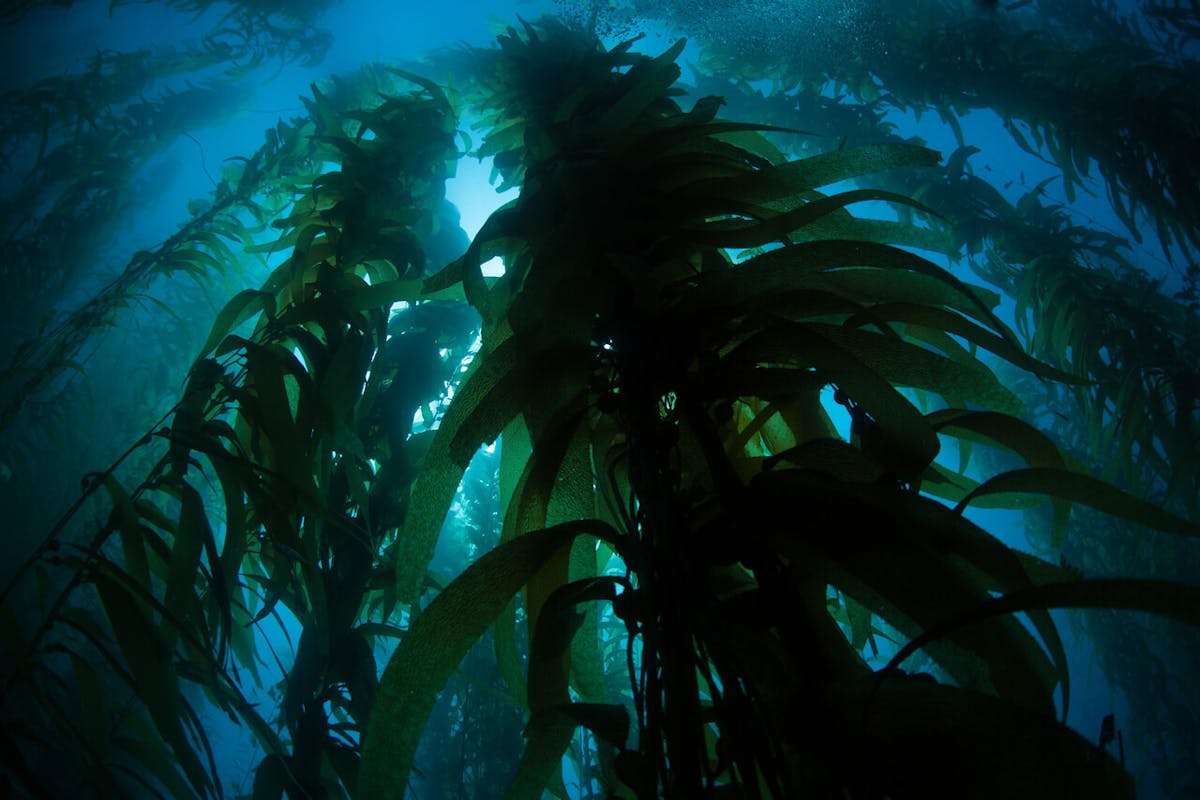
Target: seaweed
[{"x": 690, "y": 557}]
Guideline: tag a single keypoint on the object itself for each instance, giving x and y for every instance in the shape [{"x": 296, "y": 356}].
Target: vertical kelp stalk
[{"x": 669, "y": 650}]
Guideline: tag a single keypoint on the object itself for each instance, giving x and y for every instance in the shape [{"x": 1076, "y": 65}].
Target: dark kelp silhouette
[{"x": 675, "y": 496}]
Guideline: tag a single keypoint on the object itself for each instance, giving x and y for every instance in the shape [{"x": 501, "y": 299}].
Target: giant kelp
[
  {"x": 81, "y": 151},
  {"x": 358, "y": 221},
  {"x": 659, "y": 400},
  {"x": 1086, "y": 306},
  {"x": 1051, "y": 74},
  {"x": 589, "y": 137}
]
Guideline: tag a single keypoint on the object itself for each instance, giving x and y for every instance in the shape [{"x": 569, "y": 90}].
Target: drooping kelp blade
[
  {"x": 1164, "y": 598},
  {"x": 911, "y": 737},
  {"x": 437, "y": 642}
]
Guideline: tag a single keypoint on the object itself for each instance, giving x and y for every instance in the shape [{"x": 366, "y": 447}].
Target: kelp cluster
[
  {"x": 1051, "y": 71},
  {"x": 725, "y": 407},
  {"x": 81, "y": 152},
  {"x": 360, "y": 220},
  {"x": 73, "y": 147},
  {"x": 1090, "y": 300}
]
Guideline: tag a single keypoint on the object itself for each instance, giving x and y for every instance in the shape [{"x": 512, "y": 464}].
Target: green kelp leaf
[
  {"x": 282, "y": 406},
  {"x": 913, "y": 562},
  {"x": 486, "y": 402},
  {"x": 557, "y": 623},
  {"x": 858, "y": 617},
  {"x": 515, "y": 452},
  {"x": 864, "y": 229},
  {"x": 271, "y": 778},
  {"x": 547, "y": 738},
  {"x": 549, "y": 734},
  {"x": 125, "y": 519},
  {"x": 241, "y": 637},
  {"x": 191, "y": 537},
  {"x": 1179, "y": 601},
  {"x": 235, "y": 476},
  {"x": 560, "y": 441},
  {"x": 380, "y": 629},
  {"x": 240, "y": 308},
  {"x": 946, "y": 321},
  {"x": 155, "y": 759},
  {"x": 1086, "y": 490},
  {"x": 204, "y": 379},
  {"x": 647, "y": 81},
  {"x": 1013, "y": 434},
  {"x": 794, "y": 177},
  {"x": 466, "y": 270},
  {"x": 831, "y": 456},
  {"x": 559, "y": 483},
  {"x": 437, "y": 642},
  {"x": 587, "y": 663},
  {"x": 369, "y": 297},
  {"x": 91, "y": 703},
  {"x": 913, "y": 737},
  {"x": 150, "y": 664},
  {"x": 906, "y": 444},
  {"x": 609, "y": 721},
  {"x": 489, "y": 380},
  {"x": 743, "y": 233},
  {"x": 904, "y": 364}
]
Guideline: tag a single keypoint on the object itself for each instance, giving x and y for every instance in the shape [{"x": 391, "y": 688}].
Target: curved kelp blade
[
  {"x": 1087, "y": 491},
  {"x": 1166, "y": 598},
  {"x": 437, "y": 642},
  {"x": 913, "y": 737},
  {"x": 154, "y": 678}
]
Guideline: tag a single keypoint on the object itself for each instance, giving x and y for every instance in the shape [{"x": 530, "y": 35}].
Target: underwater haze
[{"x": 600, "y": 399}]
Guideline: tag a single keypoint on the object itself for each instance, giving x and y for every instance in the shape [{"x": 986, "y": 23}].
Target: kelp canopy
[{"x": 683, "y": 502}]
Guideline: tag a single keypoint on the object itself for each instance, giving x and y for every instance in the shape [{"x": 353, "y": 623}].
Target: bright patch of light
[
  {"x": 493, "y": 268},
  {"x": 473, "y": 195},
  {"x": 838, "y": 414}
]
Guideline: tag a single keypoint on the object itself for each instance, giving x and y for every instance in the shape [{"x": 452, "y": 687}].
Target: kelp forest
[{"x": 813, "y": 412}]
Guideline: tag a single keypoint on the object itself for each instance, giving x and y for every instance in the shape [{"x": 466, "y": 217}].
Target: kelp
[
  {"x": 1088, "y": 309},
  {"x": 620, "y": 285},
  {"x": 1049, "y": 73},
  {"x": 1082, "y": 304},
  {"x": 250, "y": 411},
  {"x": 75, "y": 146},
  {"x": 1177, "y": 23},
  {"x": 662, "y": 402}
]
